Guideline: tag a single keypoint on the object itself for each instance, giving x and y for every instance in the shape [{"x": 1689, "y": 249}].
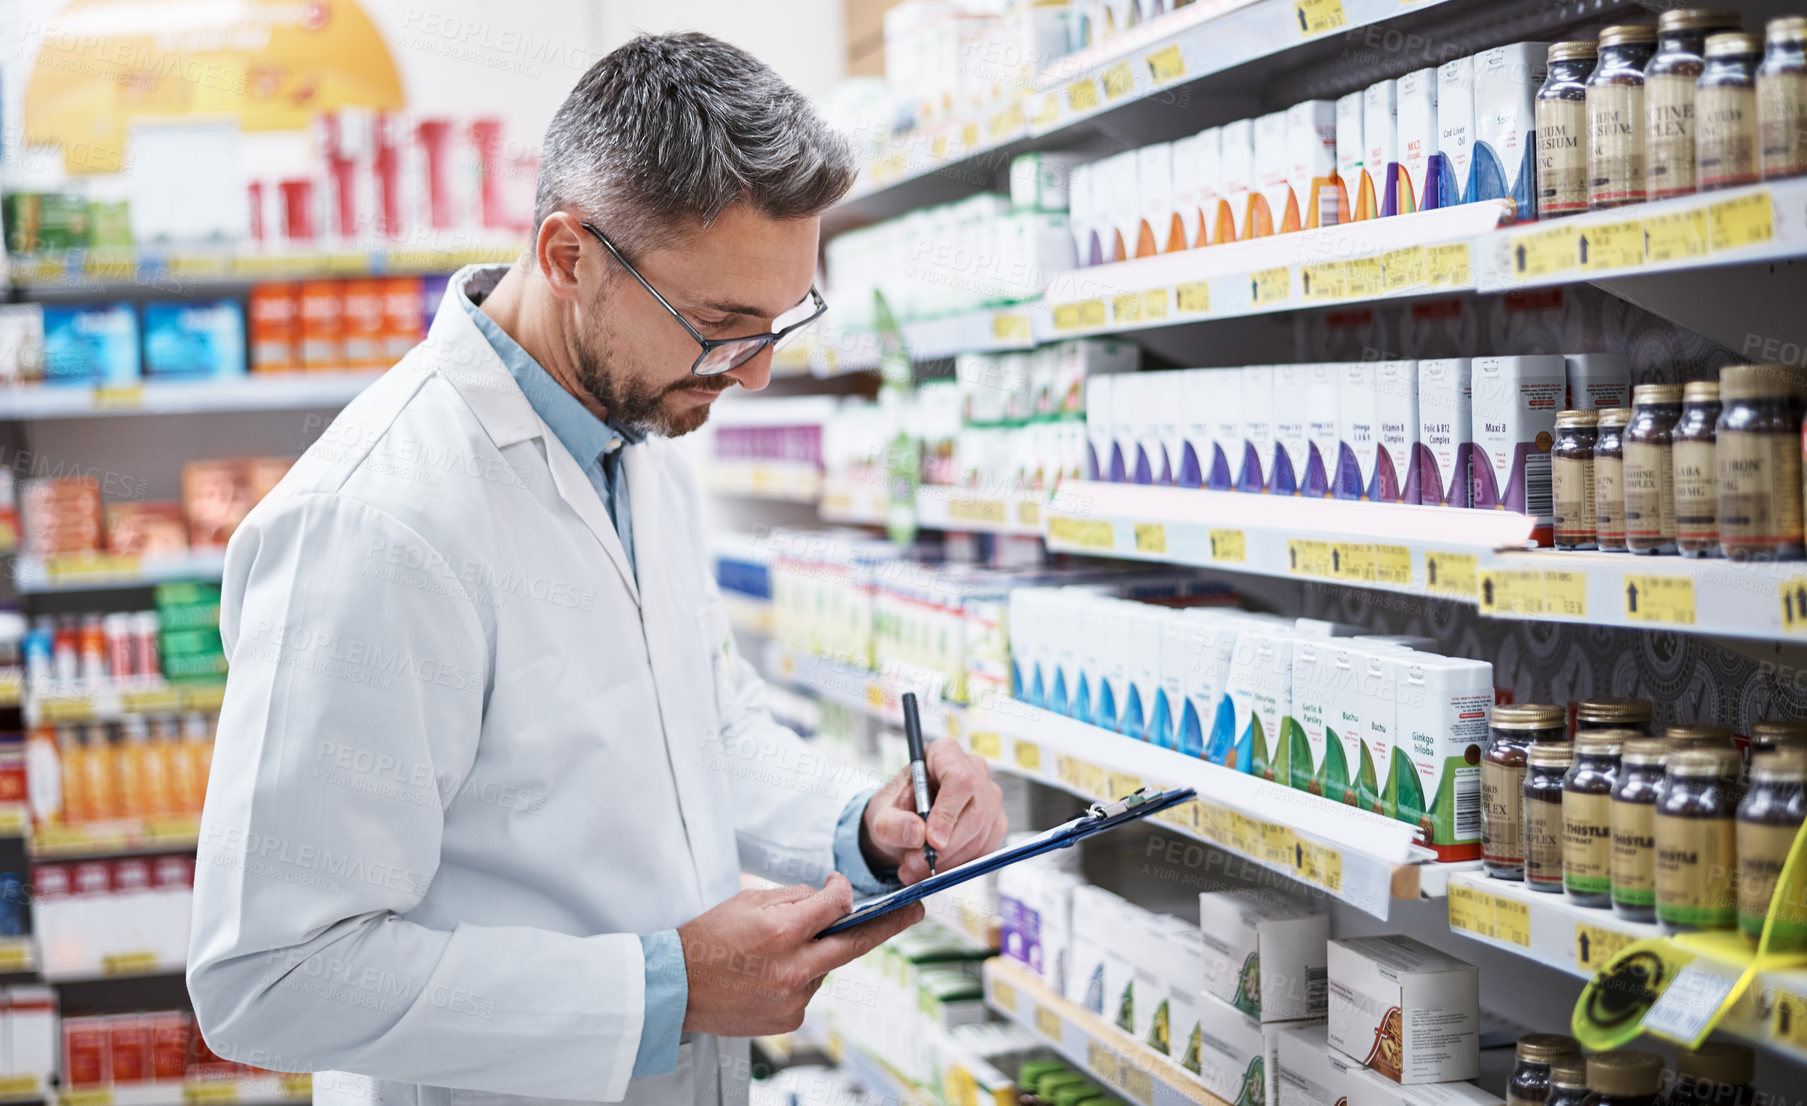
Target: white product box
[
  {"x": 1445, "y": 432},
  {"x": 1082, "y": 215},
  {"x": 32, "y": 1030},
  {"x": 1224, "y": 467},
  {"x": 1311, "y": 1072},
  {"x": 1035, "y": 904},
  {"x": 1197, "y": 394},
  {"x": 1237, "y": 153},
  {"x": 1396, "y": 401},
  {"x": 1028, "y": 645},
  {"x": 1311, "y": 149},
  {"x": 1358, "y": 432},
  {"x": 1292, "y": 443},
  {"x": 1445, "y": 704},
  {"x": 1154, "y": 181},
  {"x": 1206, "y": 725},
  {"x": 1318, "y": 684},
  {"x": 1258, "y": 432},
  {"x": 1176, "y": 643},
  {"x": 1264, "y": 954},
  {"x": 1237, "y": 1055},
  {"x": 1042, "y": 181},
  {"x": 1514, "y": 404},
  {"x": 1122, "y": 203},
  {"x": 1209, "y": 186},
  {"x": 1173, "y": 388},
  {"x": 1188, "y": 199},
  {"x": 1455, "y": 131},
  {"x": 1139, "y": 401},
  {"x": 1099, "y": 394},
  {"x": 1418, "y": 139},
  {"x": 1108, "y": 660},
  {"x": 1368, "y": 1089},
  {"x": 1506, "y": 80},
  {"x": 1380, "y": 135},
  {"x": 1351, "y": 154},
  {"x": 1369, "y": 715},
  {"x": 1597, "y": 380},
  {"x": 1143, "y": 943},
  {"x": 1322, "y": 428},
  {"x": 1273, "y": 160},
  {"x": 1098, "y": 922},
  {"x": 1065, "y": 617},
  {"x": 21, "y": 342},
  {"x": 1143, "y": 652},
  {"x": 1260, "y": 690},
  {"x": 1406, "y": 1010}
]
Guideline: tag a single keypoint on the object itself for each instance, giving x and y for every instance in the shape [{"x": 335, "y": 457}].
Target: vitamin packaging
[
  {"x": 1237, "y": 1055},
  {"x": 1397, "y": 475},
  {"x": 1314, "y": 197},
  {"x": 1455, "y": 132},
  {"x": 1506, "y": 80},
  {"x": 1224, "y": 466},
  {"x": 1419, "y": 142},
  {"x": 91, "y": 345},
  {"x": 1380, "y": 137},
  {"x": 1099, "y": 978},
  {"x": 1292, "y": 445},
  {"x": 1260, "y": 693},
  {"x": 1322, "y": 428},
  {"x": 1258, "y": 429},
  {"x": 1189, "y": 191},
  {"x": 206, "y": 338},
  {"x": 1368, "y": 1089},
  {"x": 1405, "y": 1010},
  {"x": 1445, "y": 432},
  {"x": 1434, "y": 781},
  {"x": 1176, "y": 957},
  {"x": 1311, "y": 1072},
  {"x": 1264, "y": 954},
  {"x": 1159, "y": 229},
  {"x": 1237, "y": 166},
  {"x": 1367, "y": 713},
  {"x": 1208, "y": 716},
  {"x": 1035, "y": 905},
  {"x": 1515, "y": 400},
  {"x": 1273, "y": 187},
  {"x": 1356, "y": 184},
  {"x": 1595, "y": 380},
  {"x": 1323, "y": 675},
  {"x": 1358, "y": 436}
]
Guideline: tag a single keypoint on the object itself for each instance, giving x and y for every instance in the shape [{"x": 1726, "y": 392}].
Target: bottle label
[
  {"x": 1696, "y": 495},
  {"x": 1634, "y": 853},
  {"x": 1573, "y": 480},
  {"x": 1669, "y": 134},
  {"x": 1609, "y": 501},
  {"x": 1649, "y": 494},
  {"x": 1502, "y": 814},
  {"x": 1762, "y": 850},
  {"x": 1615, "y": 149},
  {"x": 1696, "y": 859},
  {"x": 1543, "y": 842},
  {"x": 1759, "y": 490},
  {"x": 1587, "y": 842},
  {"x": 1726, "y": 135},
  {"x": 1561, "y": 156},
  {"x": 1782, "y": 120}
]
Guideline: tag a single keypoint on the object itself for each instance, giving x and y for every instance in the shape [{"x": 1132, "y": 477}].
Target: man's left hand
[{"x": 965, "y": 821}]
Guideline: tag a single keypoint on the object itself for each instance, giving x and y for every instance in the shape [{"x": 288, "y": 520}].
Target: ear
[{"x": 558, "y": 250}]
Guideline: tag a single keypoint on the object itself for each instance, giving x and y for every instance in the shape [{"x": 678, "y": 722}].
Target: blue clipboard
[{"x": 1098, "y": 818}]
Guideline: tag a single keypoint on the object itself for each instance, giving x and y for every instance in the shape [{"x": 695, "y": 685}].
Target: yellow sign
[
  {"x": 1675, "y": 237},
  {"x": 216, "y": 1092},
  {"x": 977, "y": 510},
  {"x": 1194, "y": 297},
  {"x": 129, "y": 963},
  {"x": 1322, "y": 282},
  {"x": 1317, "y": 17},
  {"x": 1047, "y": 1023},
  {"x": 1082, "y": 95},
  {"x": 1244, "y": 834},
  {"x": 1166, "y": 64},
  {"x": 1660, "y": 599},
  {"x": 19, "y": 1086},
  {"x": 1278, "y": 844},
  {"x": 1084, "y": 315},
  {"x": 938, "y": 147},
  {"x": 1321, "y": 865},
  {"x": 1450, "y": 573},
  {"x": 969, "y": 136},
  {"x": 1793, "y": 593},
  {"x": 1512, "y": 921},
  {"x": 1003, "y": 995},
  {"x": 1403, "y": 269},
  {"x": 1508, "y": 592},
  {"x": 1393, "y": 565},
  {"x": 1151, "y": 537},
  {"x": 1353, "y": 561},
  {"x": 1154, "y": 304},
  {"x": 1118, "y": 1072},
  {"x": 1007, "y": 122},
  {"x": 118, "y": 397},
  {"x": 1308, "y": 558},
  {"x": 1471, "y": 911},
  {"x": 1118, "y": 80},
  {"x": 1010, "y": 328},
  {"x": 1612, "y": 245},
  {"x": 1028, "y": 513},
  {"x": 1119, "y": 784},
  {"x": 1271, "y": 286},
  {"x": 1565, "y": 593},
  {"x": 1085, "y": 533},
  {"x": 1596, "y": 945},
  {"x": 1745, "y": 221},
  {"x": 1028, "y": 755},
  {"x": 1541, "y": 253},
  {"x": 14, "y": 957},
  {"x": 1364, "y": 277},
  {"x": 987, "y": 745},
  {"x": 1229, "y": 545}
]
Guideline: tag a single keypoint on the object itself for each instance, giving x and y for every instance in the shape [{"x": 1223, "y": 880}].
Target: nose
[{"x": 755, "y": 374}]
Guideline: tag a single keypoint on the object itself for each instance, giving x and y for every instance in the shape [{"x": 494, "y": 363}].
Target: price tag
[
  {"x": 100, "y": 1096},
  {"x": 990, "y": 511},
  {"x": 1660, "y": 599},
  {"x": 1595, "y": 946},
  {"x": 1243, "y": 833},
  {"x": 1092, "y": 779},
  {"x": 1450, "y": 573},
  {"x": 1612, "y": 245},
  {"x": 1565, "y": 593},
  {"x": 1007, "y": 122},
  {"x": 1788, "y": 1021},
  {"x": 1793, "y": 593},
  {"x": 1119, "y": 80},
  {"x": 938, "y": 147},
  {"x": 1047, "y": 1023},
  {"x": 118, "y": 397},
  {"x": 1471, "y": 911},
  {"x": 1028, "y": 755},
  {"x": 1322, "y": 282},
  {"x": 1047, "y": 112},
  {"x": 1082, "y": 95},
  {"x": 1352, "y": 561},
  {"x": 1066, "y": 770},
  {"x": 1084, "y": 315},
  {"x": 1676, "y": 236},
  {"x": 1279, "y": 845},
  {"x": 1402, "y": 269},
  {"x": 1505, "y": 591},
  {"x": 1512, "y": 921},
  {"x": 20, "y": 1086},
  {"x": 1308, "y": 558},
  {"x": 1321, "y": 865},
  {"x": 216, "y": 1091},
  {"x": 297, "y": 1085},
  {"x": 987, "y": 745},
  {"x": 1745, "y": 221},
  {"x": 1364, "y": 278},
  {"x": 1119, "y": 784},
  {"x": 1085, "y": 533},
  {"x": 1166, "y": 64},
  {"x": 1212, "y": 822},
  {"x": 1193, "y": 297},
  {"x": 1543, "y": 252},
  {"x": 1271, "y": 286},
  {"x": 1003, "y": 995},
  {"x": 875, "y": 695},
  {"x": 1151, "y": 537},
  {"x": 1028, "y": 513},
  {"x": 969, "y": 136},
  {"x": 15, "y": 956},
  {"x": 1010, "y": 328},
  {"x": 129, "y": 963},
  {"x": 1393, "y": 565},
  {"x": 1229, "y": 545},
  {"x": 1317, "y": 17},
  {"x": 1154, "y": 304}
]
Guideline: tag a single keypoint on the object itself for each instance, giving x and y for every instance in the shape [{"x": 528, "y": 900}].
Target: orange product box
[
  {"x": 129, "y": 1048},
  {"x": 172, "y": 1044},
  {"x": 12, "y": 770},
  {"x": 62, "y": 515},
  {"x": 216, "y": 496},
  {"x": 404, "y": 305},
  {"x": 86, "y": 1053},
  {"x": 275, "y": 318},
  {"x": 362, "y": 324},
  {"x": 264, "y": 473},
  {"x": 146, "y": 529},
  {"x": 322, "y": 324}
]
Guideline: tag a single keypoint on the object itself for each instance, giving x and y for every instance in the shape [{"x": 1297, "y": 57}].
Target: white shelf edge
[
  {"x": 253, "y": 392},
  {"x": 32, "y": 574}
]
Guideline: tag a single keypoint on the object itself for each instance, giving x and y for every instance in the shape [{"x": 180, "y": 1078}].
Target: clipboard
[{"x": 1098, "y": 818}]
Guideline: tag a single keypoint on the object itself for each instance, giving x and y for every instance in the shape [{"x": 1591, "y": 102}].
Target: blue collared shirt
[{"x": 598, "y": 445}]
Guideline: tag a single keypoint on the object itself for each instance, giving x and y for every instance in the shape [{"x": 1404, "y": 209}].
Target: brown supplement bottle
[
  {"x": 1562, "y": 130},
  {"x": 1634, "y": 828},
  {"x": 1546, "y": 763},
  {"x": 1669, "y": 79},
  {"x": 1614, "y": 712},
  {"x": 1781, "y": 98},
  {"x": 1696, "y": 840},
  {"x": 1769, "y": 818},
  {"x": 1572, "y": 478},
  {"x": 1568, "y": 1082},
  {"x": 1609, "y": 479},
  {"x": 1717, "y": 1073},
  {"x": 1624, "y": 1077},
  {"x": 1615, "y": 116},
  {"x": 1697, "y": 471},
  {"x": 1767, "y": 737},
  {"x": 1529, "y": 1084},
  {"x": 1650, "y": 468},
  {"x": 1727, "y": 152},
  {"x": 1512, "y": 730},
  {"x": 1587, "y": 817},
  {"x": 1759, "y": 457}
]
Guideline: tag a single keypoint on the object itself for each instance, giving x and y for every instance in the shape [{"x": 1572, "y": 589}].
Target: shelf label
[
  {"x": 977, "y": 510},
  {"x": 1119, "y": 80},
  {"x": 118, "y": 397},
  {"x": 1510, "y": 591},
  {"x": 1393, "y": 565},
  {"x": 1008, "y": 121},
  {"x": 1612, "y": 245},
  {"x": 14, "y": 957},
  {"x": 16, "y": 1086},
  {"x": 129, "y": 963},
  {"x": 1279, "y": 845},
  {"x": 1788, "y": 1021},
  {"x": 1028, "y": 755},
  {"x": 987, "y": 745},
  {"x": 1133, "y": 307},
  {"x": 1119, "y": 1073},
  {"x": 875, "y": 695},
  {"x": 1322, "y": 282},
  {"x": 1166, "y": 64},
  {"x": 969, "y": 136},
  {"x": 1512, "y": 921},
  {"x": 1319, "y": 16},
  {"x": 1229, "y": 545},
  {"x": 1193, "y": 297},
  {"x": 217, "y": 1091},
  {"x": 1010, "y": 328},
  {"x": 1595, "y": 946},
  {"x": 1082, "y": 95},
  {"x": 1003, "y": 995},
  {"x": 76, "y": 566},
  {"x": 1450, "y": 573},
  {"x": 1047, "y": 112},
  {"x": 297, "y": 1085},
  {"x": 1084, "y": 315},
  {"x": 1565, "y": 593},
  {"x": 1308, "y": 558},
  {"x": 1793, "y": 593},
  {"x": 1403, "y": 268},
  {"x": 1271, "y": 286},
  {"x": 1085, "y": 533},
  {"x": 1151, "y": 537},
  {"x": 1320, "y": 865},
  {"x": 1243, "y": 833},
  {"x": 1543, "y": 252},
  {"x": 1154, "y": 304},
  {"x": 1028, "y": 513},
  {"x": 1677, "y": 236},
  {"x": 1745, "y": 221},
  {"x": 1447, "y": 266},
  {"x": 1119, "y": 784},
  {"x": 938, "y": 147},
  {"x": 100, "y": 1096},
  {"x": 1364, "y": 277},
  {"x": 1660, "y": 599},
  {"x": 1353, "y": 561},
  {"x": 1471, "y": 911},
  {"x": 1047, "y": 1023}
]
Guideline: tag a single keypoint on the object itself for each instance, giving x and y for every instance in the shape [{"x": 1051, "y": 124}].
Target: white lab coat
[{"x": 465, "y": 757}]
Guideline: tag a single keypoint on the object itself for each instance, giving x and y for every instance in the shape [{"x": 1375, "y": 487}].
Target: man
[{"x": 488, "y": 766}]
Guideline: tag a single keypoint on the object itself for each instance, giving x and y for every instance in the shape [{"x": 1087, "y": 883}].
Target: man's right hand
[{"x": 753, "y": 962}]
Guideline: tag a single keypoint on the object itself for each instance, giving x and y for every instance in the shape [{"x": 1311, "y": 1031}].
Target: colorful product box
[
  {"x": 1322, "y": 428},
  {"x": 1236, "y": 1056},
  {"x": 1273, "y": 190},
  {"x": 1225, "y": 420},
  {"x": 1358, "y": 432},
  {"x": 1188, "y": 194},
  {"x": 1419, "y": 141},
  {"x": 1445, "y": 432},
  {"x": 1405, "y": 1010},
  {"x": 363, "y": 322},
  {"x": 1264, "y": 954},
  {"x": 1158, "y": 230},
  {"x": 1198, "y": 392},
  {"x": 1506, "y": 80},
  {"x": 1351, "y": 156},
  {"x": 1292, "y": 443},
  {"x": 1140, "y": 718},
  {"x": 1368, "y": 713},
  {"x": 275, "y": 310},
  {"x": 94, "y": 345},
  {"x": 1207, "y": 728},
  {"x": 1240, "y": 189},
  {"x": 1380, "y": 136},
  {"x": 1081, "y": 221},
  {"x": 193, "y": 339},
  {"x": 1455, "y": 131},
  {"x": 322, "y": 325},
  {"x": 1261, "y": 691},
  {"x": 1311, "y": 1072},
  {"x": 1314, "y": 195},
  {"x": 1514, "y": 405},
  {"x": 1103, "y": 460},
  {"x": 1434, "y": 783},
  {"x": 1257, "y": 431},
  {"x": 1397, "y": 474},
  {"x": 1318, "y": 765},
  {"x": 1207, "y": 184},
  {"x": 21, "y": 343}
]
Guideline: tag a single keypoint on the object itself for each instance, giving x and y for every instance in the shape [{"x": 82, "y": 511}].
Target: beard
[{"x": 634, "y": 405}]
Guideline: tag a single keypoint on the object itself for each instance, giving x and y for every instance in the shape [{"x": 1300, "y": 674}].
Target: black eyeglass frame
[{"x": 710, "y": 345}]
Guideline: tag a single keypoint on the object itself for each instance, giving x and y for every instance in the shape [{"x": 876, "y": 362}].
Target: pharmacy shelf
[
  {"x": 1433, "y": 551},
  {"x": 1129, "y": 1068},
  {"x": 131, "y": 270},
  {"x": 831, "y": 350},
  {"x": 17, "y": 954},
  {"x": 885, "y": 1085},
  {"x": 110, "y": 704},
  {"x": 853, "y": 499},
  {"x": 124, "y": 837},
  {"x": 747, "y": 614},
  {"x": 94, "y": 571},
  {"x": 24, "y": 1087},
  {"x": 1362, "y": 858},
  {"x": 130, "y": 965},
  {"x": 269, "y": 1089},
  {"x": 790, "y": 481},
  {"x": 265, "y": 392},
  {"x": 878, "y": 694},
  {"x": 947, "y": 508}
]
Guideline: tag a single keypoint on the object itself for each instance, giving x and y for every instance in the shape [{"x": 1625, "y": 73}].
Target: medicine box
[
  {"x": 1188, "y": 196},
  {"x": 1291, "y": 440},
  {"x": 1396, "y": 472},
  {"x": 1264, "y": 954},
  {"x": 1369, "y": 715},
  {"x": 1272, "y": 184},
  {"x": 1208, "y": 725},
  {"x": 1100, "y": 977},
  {"x": 1319, "y": 765},
  {"x": 1237, "y": 1054},
  {"x": 1356, "y": 186},
  {"x": 1035, "y": 906},
  {"x": 1197, "y": 395},
  {"x": 1366, "y": 1088},
  {"x": 1082, "y": 216},
  {"x": 1358, "y": 436},
  {"x": 1313, "y": 199},
  {"x": 1224, "y": 467},
  {"x": 1380, "y": 138},
  {"x": 1240, "y": 191},
  {"x": 194, "y": 339},
  {"x": 1418, "y": 141},
  {"x": 1514, "y": 404},
  {"x": 1208, "y": 151},
  {"x": 1258, "y": 430},
  {"x": 1445, "y": 434},
  {"x": 1506, "y": 80},
  {"x": 1455, "y": 131},
  {"x": 1158, "y": 230},
  {"x": 1323, "y": 402},
  {"x": 1405, "y": 1010},
  {"x": 1597, "y": 380},
  {"x": 1311, "y": 1072},
  {"x": 1434, "y": 782},
  {"x": 95, "y": 345}
]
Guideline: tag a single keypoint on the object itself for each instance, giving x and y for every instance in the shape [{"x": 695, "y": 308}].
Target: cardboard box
[
  {"x": 1506, "y": 80},
  {"x": 1369, "y": 716},
  {"x": 1260, "y": 693},
  {"x": 1291, "y": 440},
  {"x": 1351, "y": 157},
  {"x": 21, "y": 343},
  {"x": 1311, "y": 1072},
  {"x": 1190, "y": 189},
  {"x": 1264, "y": 954},
  {"x": 1406, "y": 1010},
  {"x": 1514, "y": 404},
  {"x": 1273, "y": 189},
  {"x": 1434, "y": 783},
  {"x": 1237, "y": 161},
  {"x": 32, "y": 1017},
  {"x": 1237, "y": 1055},
  {"x": 1397, "y": 474},
  {"x": 1207, "y": 728},
  {"x": 1314, "y": 198},
  {"x": 1445, "y": 432},
  {"x": 1322, "y": 678},
  {"x": 87, "y": 346},
  {"x": 1257, "y": 433},
  {"x": 1596, "y": 380},
  {"x": 275, "y": 309},
  {"x": 1455, "y": 131},
  {"x": 1158, "y": 230},
  {"x": 1224, "y": 467},
  {"x": 363, "y": 324},
  {"x": 1196, "y": 389},
  {"x": 1358, "y": 435},
  {"x": 1369, "y": 1089},
  {"x": 1322, "y": 429},
  {"x": 146, "y": 529},
  {"x": 1380, "y": 135},
  {"x": 1419, "y": 141},
  {"x": 1093, "y": 980},
  {"x": 193, "y": 339},
  {"x": 322, "y": 325},
  {"x": 1178, "y": 957}
]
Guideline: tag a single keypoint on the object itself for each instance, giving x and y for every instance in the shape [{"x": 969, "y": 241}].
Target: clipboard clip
[{"x": 1101, "y": 811}]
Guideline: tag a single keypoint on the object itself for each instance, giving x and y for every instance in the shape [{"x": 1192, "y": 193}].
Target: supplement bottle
[
  {"x": 1572, "y": 478},
  {"x": 1529, "y": 1084},
  {"x": 1768, "y": 820},
  {"x": 1615, "y": 117},
  {"x": 1696, "y": 841},
  {"x": 1767, "y": 737},
  {"x": 1759, "y": 457},
  {"x": 1587, "y": 790},
  {"x": 1624, "y": 1077},
  {"x": 1669, "y": 96},
  {"x": 1727, "y": 153},
  {"x": 1512, "y": 731},
  {"x": 1782, "y": 98},
  {"x": 1568, "y": 1082},
  {"x": 1697, "y": 471},
  {"x": 1634, "y": 828},
  {"x": 1715, "y": 1074},
  {"x": 1650, "y": 468},
  {"x": 1562, "y": 130},
  {"x": 1609, "y": 479},
  {"x": 1546, "y": 763},
  {"x": 1614, "y": 713}
]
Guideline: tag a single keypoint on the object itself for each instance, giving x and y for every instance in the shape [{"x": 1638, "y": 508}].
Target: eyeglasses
[{"x": 721, "y": 354}]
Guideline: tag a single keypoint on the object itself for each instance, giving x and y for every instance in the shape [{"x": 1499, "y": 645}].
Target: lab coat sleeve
[{"x": 354, "y": 704}]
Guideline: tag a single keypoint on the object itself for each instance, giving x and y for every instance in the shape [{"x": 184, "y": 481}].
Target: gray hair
[{"x": 671, "y": 129}]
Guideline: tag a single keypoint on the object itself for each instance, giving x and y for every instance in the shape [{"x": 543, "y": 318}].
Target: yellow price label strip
[
  {"x": 1229, "y": 545},
  {"x": 1084, "y": 315},
  {"x": 988, "y": 745},
  {"x": 1320, "y": 865},
  {"x": 1541, "y": 253},
  {"x": 1595, "y": 946},
  {"x": 216, "y": 1092},
  {"x": 1279, "y": 845},
  {"x": 1788, "y": 1020},
  {"x": 1166, "y": 64},
  {"x": 1047, "y": 1023},
  {"x": 1119, "y": 784},
  {"x": 1047, "y": 112},
  {"x": 1565, "y": 593},
  {"x": 1028, "y": 755},
  {"x": 1364, "y": 277},
  {"x": 1154, "y": 304},
  {"x": 1085, "y": 533},
  {"x": 16, "y": 1086},
  {"x": 1244, "y": 833},
  {"x": 1471, "y": 911},
  {"x": 1127, "y": 308},
  {"x": 1010, "y": 328},
  {"x": 1745, "y": 221},
  {"x": 1151, "y": 537},
  {"x": 1119, "y": 81},
  {"x": 129, "y": 963},
  {"x": 1193, "y": 297},
  {"x": 14, "y": 958},
  {"x": 1323, "y": 282},
  {"x": 1403, "y": 269},
  {"x": 1611, "y": 245},
  {"x": 1003, "y": 995},
  {"x": 1512, "y": 922},
  {"x": 297, "y": 1085},
  {"x": 993, "y": 511},
  {"x": 1793, "y": 594},
  {"x": 1450, "y": 573},
  {"x": 939, "y": 145},
  {"x": 101, "y": 1096},
  {"x": 1675, "y": 237},
  {"x": 1028, "y": 513},
  {"x": 117, "y": 397},
  {"x": 1007, "y": 122},
  {"x": 1508, "y": 592},
  {"x": 1318, "y": 17},
  {"x": 1660, "y": 599},
  {"x": 1271, "y": 286},
  {"x": 1393, "y": 565},
  {"x": 1082, "y": 95},
  {"x": 969, "y": 136},
  {"x": 1352, "y": 561},
  {"x": 1308, "y": 558}
]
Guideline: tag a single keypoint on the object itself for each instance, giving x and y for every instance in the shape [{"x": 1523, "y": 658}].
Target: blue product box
[
  {"x": 194, "y": 339},
  {"x": 91, "y": 345}
]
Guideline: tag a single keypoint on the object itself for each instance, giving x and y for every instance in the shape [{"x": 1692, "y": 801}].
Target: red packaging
[
  {"x": 12, "y": 769},
  {"x": 254, "y": 195},
  {"x": 322, "y": 324},
  {"x": 207, "y": 1064},
  {"x": 298, "y": 211},
  {"x": 130, "y": 875},
  {"x": 146, "y": 529},
  {"x": 50, "y": 882},
  {"x": 486, "y": 143},
  {"x": 62, "y": 515},
  {"x": 434, "y": 141},
  {"x": 172, "y": 1034},
  {"x": 86, "y": 1053},
  {"x": 275, "y": 317},
  {"x": 216, "y": 496},
  {"x": 92, "y": 878},
  {"x": 403, "y": 312},
  {"x": 363, "y": 324},
  {"x": 173, "y": 872},
  {"x": 129, "y": 1048}
]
